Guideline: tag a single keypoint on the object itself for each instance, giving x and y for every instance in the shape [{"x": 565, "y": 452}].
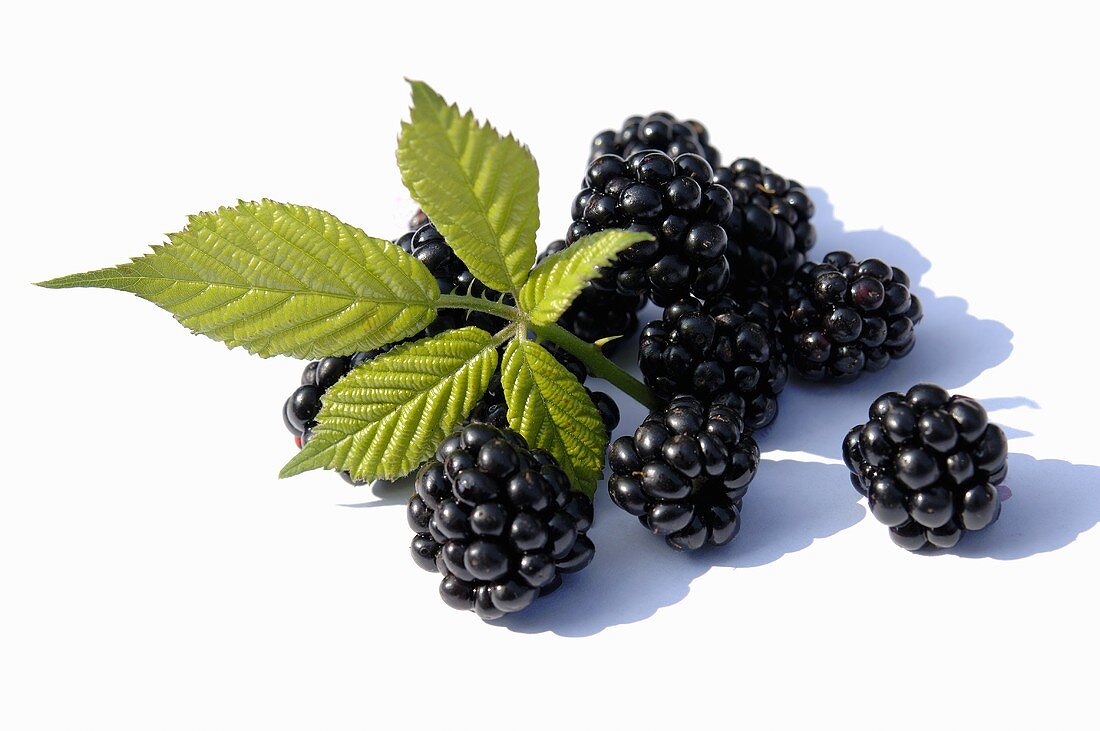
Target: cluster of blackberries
[
  {"x": 929, "y": 464},
  {"x": 499, "y": 521},
  {"x": 659, "y": 131},
  {"x": 685, "y": 471},
  {"x": 844, "y": 316},
  {"x": 718, "y": 349}
]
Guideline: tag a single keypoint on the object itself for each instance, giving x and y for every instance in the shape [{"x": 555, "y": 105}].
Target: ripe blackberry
[
  {"x": 498, "y": 520},
  {"x": 928, "y": 464},
  {"x": 721, "y": 348},
  {"x": 769, "y": 228},
  {"x": 674, "y": 200},
  {"x": 685, "y": 472},
  {"x": 843, "y": 317},
  {"x": 659, "y": 131}
]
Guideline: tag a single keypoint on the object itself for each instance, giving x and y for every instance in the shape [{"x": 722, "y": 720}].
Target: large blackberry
[
  {"x": 685, "y": 472},
  {"x": 929, "y": 464},
  {"x": 843, "y": 317},
  {"x": 674, "y": 200},
  {"x": 769, "y": 228},
  {"x": 659, "y": 131},
  {"x": 498, "y": 520},
  {"x": 722, "y": 348}
]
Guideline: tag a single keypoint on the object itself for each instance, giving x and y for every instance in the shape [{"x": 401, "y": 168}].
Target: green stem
[
  {"x": 592, "y": 357},
  {"x": 477, "y": 304},
  {"x": 598, "y": 364}
]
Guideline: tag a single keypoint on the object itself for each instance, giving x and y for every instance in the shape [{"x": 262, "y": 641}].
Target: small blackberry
[
  {"x": 928, "y": 464},
  {"x": 843, "y": 317},
  {"x": 497, "y": 520},
  {"x": 769, "y": 228},
  {"x": 659, "y": 131},
  {"x": 674, "y": 200},
  {"x": 685, "y": 472},
  {"x": 718, "y": 348}
]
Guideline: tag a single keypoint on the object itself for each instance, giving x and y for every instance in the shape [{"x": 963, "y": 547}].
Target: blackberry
[
  {"x": 928, "y": 464},
  {"x": 685, "y": 471},
  {"x": 497, "y": 520},
  {"x": 674, "y": 200},
  {"x": 659, "y": 131},
  {"x": 843, "y": 317},
  {"x": 720, "y": 348},
  {"x": 769, "y": 228}
]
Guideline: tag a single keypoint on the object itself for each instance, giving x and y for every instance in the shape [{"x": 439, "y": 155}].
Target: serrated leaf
[
  {"x": 388, "y": 415},
  {"x": 479, "y": 188},
  {"x": 277, "y": 279},
  {"x": 556, "y": 282},
  {"x": 549, "y": 407}
]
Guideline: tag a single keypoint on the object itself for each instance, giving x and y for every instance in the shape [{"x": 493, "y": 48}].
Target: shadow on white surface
[
  {"x": 789, "y": 505},
  {"x": 1052, "y": 503},
  {"x": 953, "y": 347}
]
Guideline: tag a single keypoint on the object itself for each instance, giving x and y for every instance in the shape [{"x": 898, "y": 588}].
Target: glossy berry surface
[
  {"x": 845, "y": 316},
  {"x": 674, "y": 200},
  {"x": 928, "y": 464},
  {"x": 685, "y": 472},
  {"x": 499, "y": 521},
  {"x": 769, "y": 228},
  {"x": 659, "y": 131},
  {"x": 718, "y": 349}
]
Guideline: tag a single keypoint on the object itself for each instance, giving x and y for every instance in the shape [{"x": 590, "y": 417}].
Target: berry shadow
[
  {"x": 813, "y": 417},
  {"x": 1052, "y": 503},
  {"x": 789, "y": 505}
]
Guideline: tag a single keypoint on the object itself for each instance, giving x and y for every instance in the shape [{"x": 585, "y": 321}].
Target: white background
[{"x": 155, "y": 575}]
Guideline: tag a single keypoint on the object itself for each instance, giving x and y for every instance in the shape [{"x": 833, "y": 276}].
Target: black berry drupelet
[
  {"x": 659, "y": 131},
  {"x": 718, "y": 349},
  {"x": 929, "y": 464},
  {"x": 685, "y": 471},
  {"x": 674, "y": 200},
  {"x": 499, "y": 521},
  {"x": 769, "y": 228},
  {"x": 843, "y": 317}
]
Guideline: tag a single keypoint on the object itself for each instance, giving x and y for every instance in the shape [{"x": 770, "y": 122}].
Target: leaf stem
[
  {"x": 598, "y": 364},
  {"x": 477, "y": 304}
]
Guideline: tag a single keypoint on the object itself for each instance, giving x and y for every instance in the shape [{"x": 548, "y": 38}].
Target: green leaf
[
  {"x": 556, "y": 282},
  {"x": 549, "y": 407},
  {"x": 388, "y": 415},
  {"x": 479, "y": 189},
  {"x": 276, "y": 279}
]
